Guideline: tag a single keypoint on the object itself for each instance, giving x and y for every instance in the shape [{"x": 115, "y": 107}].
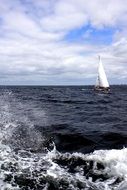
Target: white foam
[{"x": 115, "y": 161}]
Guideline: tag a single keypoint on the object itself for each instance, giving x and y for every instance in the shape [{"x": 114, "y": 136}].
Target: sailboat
[{"x": 102, "y": 82}]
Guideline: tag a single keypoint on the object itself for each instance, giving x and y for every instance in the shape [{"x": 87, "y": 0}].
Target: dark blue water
[{"x": 63, "y": 138}]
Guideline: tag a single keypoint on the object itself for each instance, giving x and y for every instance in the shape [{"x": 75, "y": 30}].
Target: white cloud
[
  {"x": 76, "y": 13},
  {"x": 33, "y": 46}
]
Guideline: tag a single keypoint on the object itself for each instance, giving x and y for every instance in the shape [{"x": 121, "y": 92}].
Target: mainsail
[{"x": 101, "y": 79}]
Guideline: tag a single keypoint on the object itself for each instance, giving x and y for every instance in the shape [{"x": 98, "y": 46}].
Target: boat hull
[{"x": 102, "y": 89}]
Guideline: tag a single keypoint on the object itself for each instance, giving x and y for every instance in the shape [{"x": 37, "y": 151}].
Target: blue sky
[
  {"x": 91, "y": 35},
  {"x": 50, "y": 42}
]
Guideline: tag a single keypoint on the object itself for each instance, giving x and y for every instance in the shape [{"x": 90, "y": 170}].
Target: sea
[{"x": 63, "y": 138}]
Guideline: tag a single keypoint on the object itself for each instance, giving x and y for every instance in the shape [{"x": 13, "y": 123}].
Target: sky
[{"x": 57, "y": 42}]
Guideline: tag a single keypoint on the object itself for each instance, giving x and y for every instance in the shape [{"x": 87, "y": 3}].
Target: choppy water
[{"x": 63, "y": 138}]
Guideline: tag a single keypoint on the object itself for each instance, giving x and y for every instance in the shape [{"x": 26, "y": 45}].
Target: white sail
[{"x": 101, "y": 79}]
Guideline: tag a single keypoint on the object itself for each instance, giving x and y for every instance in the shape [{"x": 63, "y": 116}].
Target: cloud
[
  {"x": 34, "y": 47},
  {"x": 99, "y": 13}
]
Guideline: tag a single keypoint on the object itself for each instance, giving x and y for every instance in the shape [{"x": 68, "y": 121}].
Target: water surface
[{"x": 67, "y": 138}]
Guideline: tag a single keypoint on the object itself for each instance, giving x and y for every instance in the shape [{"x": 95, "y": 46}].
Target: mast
[{"x": 101, "y": 79}]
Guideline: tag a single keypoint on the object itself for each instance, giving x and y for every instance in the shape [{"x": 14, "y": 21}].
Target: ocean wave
[{"x": 100, "y": 170}]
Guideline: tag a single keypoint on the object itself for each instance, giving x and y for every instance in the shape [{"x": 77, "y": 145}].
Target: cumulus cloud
[
  {"x": 34, "y": 48},
  {"x": 99, "y": 13}
]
